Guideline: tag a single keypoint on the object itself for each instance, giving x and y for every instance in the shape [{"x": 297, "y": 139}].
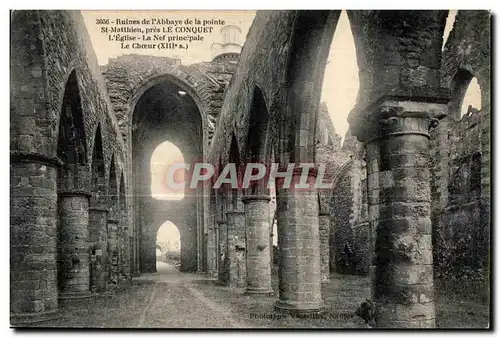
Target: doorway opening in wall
[
  {"x": 164, "y": 157},
  {"x": 168, "y": 247},
  {"x": 340, "y": 85}
]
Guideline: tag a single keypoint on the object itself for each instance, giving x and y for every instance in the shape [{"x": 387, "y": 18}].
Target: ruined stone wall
[
  {"x": 46, "y": 47},
  {"x": 129, "y": 76},
  {"x": 461, "y": 233},
  {"x": 460, "y": 149},
  {"x": 65, "y": 46},
  {"x": 262, "y": 63}
]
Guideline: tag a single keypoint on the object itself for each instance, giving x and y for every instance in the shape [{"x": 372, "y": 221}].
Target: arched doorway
[
  {"x": 168, "y": 241},
  {"x": 167, "y": 128}
]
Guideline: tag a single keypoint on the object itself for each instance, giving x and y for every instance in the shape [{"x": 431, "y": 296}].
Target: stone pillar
[
  {"x": 324, "y": 244},
  {"x": 73, "y": 254},
  {"x": 33, "y": 238},
  {"x": 113, "y": 251},
  {"x": 236, "y": 245},
  {"x": 148, "y": 252},
  {"x": 298, "y": 240},
  {"x": 98, "y": 238},
  {"x": 223, "y": 259},
  {"x": 258, "y": 268},
  {"x": 135, "y": 248},
  {"x": 125, "y": 254},
  {"x": 211, "y": 244},
  {"x": 397, "y": 145}
]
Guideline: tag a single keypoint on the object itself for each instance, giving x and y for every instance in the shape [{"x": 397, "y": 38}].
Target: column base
[
  {"x": 74, "y": 296},
  {"x": 300, "y": 309},
  {"x": 253, "y": 291},
  {"x": 25, "y": 319}
]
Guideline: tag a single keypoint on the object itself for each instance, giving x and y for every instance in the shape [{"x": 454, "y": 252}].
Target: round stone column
[
  {"x": 258, "y": 269},
  {"x": 299, "y": 254},
  {"x": 113, "y": 251},
  {"x": 324, "y": 243},
  {"x": 397, "y": 155},
  {"x": 73, "y": 236},
  {"x": 98, "y": 235},
  {"x": 33, "y": 238}
]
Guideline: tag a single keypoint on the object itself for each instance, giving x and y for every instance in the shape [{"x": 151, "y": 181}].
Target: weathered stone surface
[{"x": 258, "y": 250}]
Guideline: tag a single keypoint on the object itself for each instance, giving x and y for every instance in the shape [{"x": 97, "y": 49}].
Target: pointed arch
[
  {"x": 71, "y": 146},
  {"x": 460, "y": 84},
  {"x": 312, "y": 36},
  {"x": 258, "y": 127}
]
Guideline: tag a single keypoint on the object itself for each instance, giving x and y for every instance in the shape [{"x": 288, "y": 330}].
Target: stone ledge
[
  {"x": 297, "y": 309},
  {"x": 255, "y": 198},
  {"x": 24, "y": 319},
  {"x": 74, "y": 192},
  {"x": 24, "y": 156}
]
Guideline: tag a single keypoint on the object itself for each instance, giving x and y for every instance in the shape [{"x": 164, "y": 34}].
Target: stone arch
[
  {"x": 180, "y": 80},
  {"x": 257, "y": 142},
  {"x": 311, "y": 40},
  {"x": 458, "y": 86},
  {"x": 468, "y": 48},
  {"x": 71, "y": 146},
  {"x": 73, "y": 197}
]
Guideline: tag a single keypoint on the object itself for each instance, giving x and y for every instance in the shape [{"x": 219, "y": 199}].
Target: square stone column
[
  {"x": 299, "y": 248},
  {"x": 73, "y": 236},
  {"x": 396, "y": 134},
  {"x": 258, "y": 256}
]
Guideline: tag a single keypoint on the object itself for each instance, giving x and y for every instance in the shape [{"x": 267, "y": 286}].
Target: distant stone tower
[{"x": 230, "y": 47}]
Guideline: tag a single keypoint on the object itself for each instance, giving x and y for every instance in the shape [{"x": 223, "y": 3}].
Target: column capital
[
  {"x": 74, "y": 192},
  {"x": 98, "y": 208},
  {"x": 255, "y": 198},
  {"x": 17, "y": 156},
  {"x": 397, "y": 116},
  {"x": 235, "y": 212}
]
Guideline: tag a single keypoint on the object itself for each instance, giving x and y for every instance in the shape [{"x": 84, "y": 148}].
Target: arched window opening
[
  {"x": 165, "y": 175},
  {"x": 341, "y": 81},
  {"x": 472, "y": 98},
  {"x": 168, "y": 238}
]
